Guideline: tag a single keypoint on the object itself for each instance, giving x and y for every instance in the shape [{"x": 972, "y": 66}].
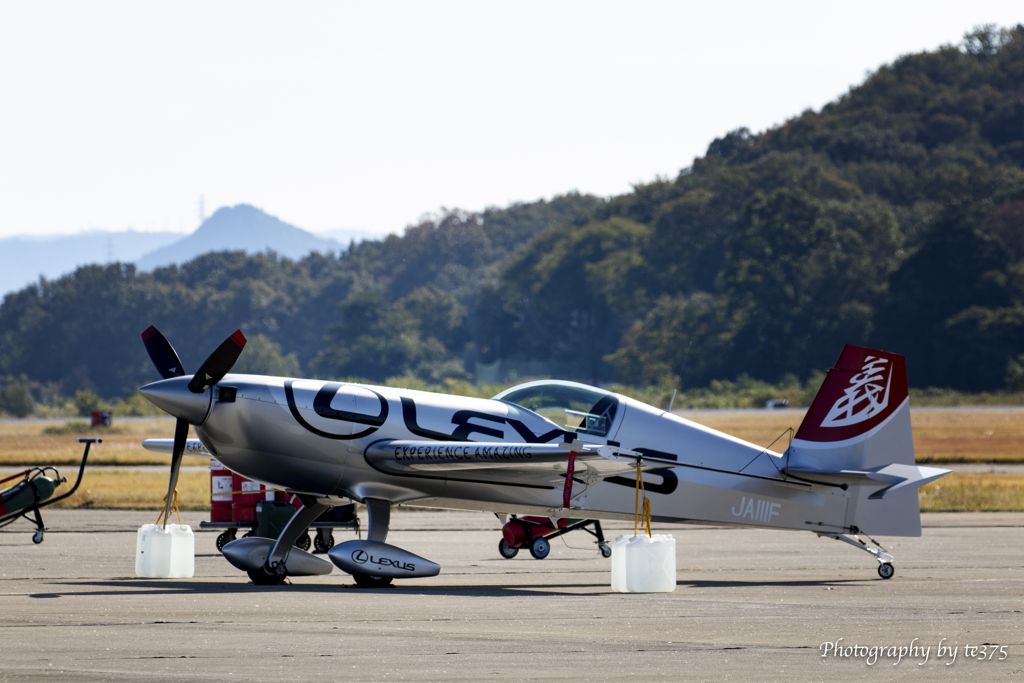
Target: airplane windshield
[{"x": 573, "y": 407}]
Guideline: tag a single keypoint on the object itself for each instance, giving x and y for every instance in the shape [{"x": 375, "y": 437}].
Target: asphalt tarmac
[{"x": 749, "y": 605}]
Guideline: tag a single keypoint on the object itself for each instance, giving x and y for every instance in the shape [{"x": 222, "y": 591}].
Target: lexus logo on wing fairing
[{"x": 380, "y": 559}]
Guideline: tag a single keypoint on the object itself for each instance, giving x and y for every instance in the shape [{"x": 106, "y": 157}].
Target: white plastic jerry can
[
  {"x": 165, "y": 552},
  {"x": 644, "y": 564},
  {"x": 619, "y": 563}
]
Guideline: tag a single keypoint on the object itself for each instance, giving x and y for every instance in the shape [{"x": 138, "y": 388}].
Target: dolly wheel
[
  {"x": 367, "y": 581},
  {"x": 262, "y": 577},
  {"x": 540, "y": 548},
  {"x": 37, "y": 537},
  {"x": 303, "y": 542},
  {"x": 224, "y": 538},
  {"x": 506, "y": 551},
  {"x": 605, "y": 550},
  {"x": 323, "y": 542},
  {"x": 886, "y": 570}
]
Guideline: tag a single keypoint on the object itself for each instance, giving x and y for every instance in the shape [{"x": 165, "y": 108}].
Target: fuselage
[{"x": 311, "y": 436}]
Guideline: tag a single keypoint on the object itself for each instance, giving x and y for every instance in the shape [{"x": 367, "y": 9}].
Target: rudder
[{"x": 859, "y": 421}]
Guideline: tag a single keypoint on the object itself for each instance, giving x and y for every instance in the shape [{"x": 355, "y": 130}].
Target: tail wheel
[
  {"x": 886, "y": 570},
  {"x": 367, "y": 581},
  {"x": 506, "y": 551}
]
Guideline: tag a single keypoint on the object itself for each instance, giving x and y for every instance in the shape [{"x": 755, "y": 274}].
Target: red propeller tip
[
  {"x": 148, "y": 333},
  {"x": 239, "y": 339}
]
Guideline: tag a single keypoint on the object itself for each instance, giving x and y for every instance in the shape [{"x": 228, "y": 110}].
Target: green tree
[
  {"x": 687, "y": 339},
  {"x": 571, "y": 288},
  {"x": 263, "y": 357},
  {"x": 806, "y": 275},
  {"x": 374, "y": 340},
  {"x": 18, "y": 400},
  {"x": 86, "y": 401}
]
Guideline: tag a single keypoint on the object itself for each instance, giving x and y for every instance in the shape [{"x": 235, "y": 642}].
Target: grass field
[
  {"x": 28, "y": 443},
  {"x": 954, "y": 436},
  {"x": 958, "y": 492},
  {"x": 960, "y": 436},
  {"x": 128, "y": 490}
]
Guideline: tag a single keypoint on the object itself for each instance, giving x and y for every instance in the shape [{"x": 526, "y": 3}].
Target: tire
[
  {"x": 261, "y": 577},
  {"x": 224, "y": 538},
  {"x": 323, "y": 542},
  {"x": 37, "y": 537},
  {"x": 303, "y": 542},
  {"x": 540, "y": 548},
  {"x": 886, "y": 570},
  {"x": 506, "y": 551},
  {"x": 606, "y": 551},
  {"x": 367, "y": 581}
]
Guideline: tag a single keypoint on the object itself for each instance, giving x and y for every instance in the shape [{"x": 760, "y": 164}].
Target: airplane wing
[
  {"x": 521, "y": 464},
  {"x": 166, "y": 446}
]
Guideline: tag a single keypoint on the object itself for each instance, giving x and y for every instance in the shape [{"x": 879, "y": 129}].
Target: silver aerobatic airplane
[{"x": 548, "y": 448}]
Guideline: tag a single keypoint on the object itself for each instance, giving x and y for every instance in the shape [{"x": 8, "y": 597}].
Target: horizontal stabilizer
[
  {"x": 166, "y": 446},
  {"x": 897, "y": 478}
]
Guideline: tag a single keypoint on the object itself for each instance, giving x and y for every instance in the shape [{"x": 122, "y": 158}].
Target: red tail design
[{"x": 863, "y": 389}]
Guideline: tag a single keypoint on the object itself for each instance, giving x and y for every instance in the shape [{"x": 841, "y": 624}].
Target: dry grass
[
  {"x": 954, "y": 436},
  {"x": 27, "y": 443},
  {"x": 130, "y": 490},
  {"x": 974, "y": 493}
]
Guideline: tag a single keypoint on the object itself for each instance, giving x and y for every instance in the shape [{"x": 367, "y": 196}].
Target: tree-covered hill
[{"x": 892, "y": 217}]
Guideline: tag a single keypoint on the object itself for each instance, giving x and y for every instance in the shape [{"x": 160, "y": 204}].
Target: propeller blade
[
  {"x": 162, "y": 353},
  {"x": 180, "y": 438},
  {"x": 218, "y": 364}
]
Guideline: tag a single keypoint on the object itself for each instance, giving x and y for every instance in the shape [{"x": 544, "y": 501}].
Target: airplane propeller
[{"x": 213, "y": 369}]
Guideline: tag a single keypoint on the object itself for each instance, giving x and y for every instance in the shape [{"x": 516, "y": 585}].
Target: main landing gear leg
[
  {"x": 379, "y": 512},
  {"x": 274, "y": 570},
  {"x": 885, "y": 568}
]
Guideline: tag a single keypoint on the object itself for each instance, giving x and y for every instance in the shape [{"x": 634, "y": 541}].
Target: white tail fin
[{"x": 857, "y": 434}]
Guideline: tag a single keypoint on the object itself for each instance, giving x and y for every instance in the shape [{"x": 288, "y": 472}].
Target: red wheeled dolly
[{"x": 535, "y": 533}]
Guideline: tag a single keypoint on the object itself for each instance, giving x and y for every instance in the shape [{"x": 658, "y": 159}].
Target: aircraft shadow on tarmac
[{"x": 125, "y": 587}]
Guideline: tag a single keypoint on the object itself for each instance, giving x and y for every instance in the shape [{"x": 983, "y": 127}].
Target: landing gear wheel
[
  {"x": 224, "y": 538},
  {"x": 323, "y": 542},
  {"x": 303, "y": 542},
  {"x": 507, "y": 551},
  {"x": 886, "y": 570},
  {"x": 540, "y": 548},
  {"x": 37, "y": 537},
  {"x": 367, "y": 581},
  {"x": 264, "y": 577},
  {"x": 605, "y": 550}
]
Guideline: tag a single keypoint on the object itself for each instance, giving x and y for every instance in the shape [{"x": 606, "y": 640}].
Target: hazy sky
[{"x": 366, "y": 115}]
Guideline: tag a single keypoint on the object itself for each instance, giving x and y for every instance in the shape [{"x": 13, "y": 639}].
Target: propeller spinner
[{"x": 179, "y": 399}]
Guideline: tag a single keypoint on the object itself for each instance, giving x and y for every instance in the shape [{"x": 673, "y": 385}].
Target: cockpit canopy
[{"x": 573, "y": 407}]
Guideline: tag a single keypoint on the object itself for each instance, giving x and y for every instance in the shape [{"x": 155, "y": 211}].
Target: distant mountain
[
  {"x": 24, "y": 258},
  {"x": 241, "y": 227}
]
